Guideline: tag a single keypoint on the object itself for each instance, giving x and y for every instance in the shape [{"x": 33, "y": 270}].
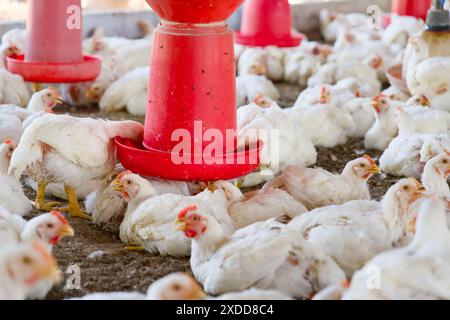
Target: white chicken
[
  {"x": 69, "y": 150},
  {"x": 331, "y": 23},
  {"x": 264, "y": 255},
  {"x": 10, "y": 127},
  {"x": 354, "y": 232},
  {"x": 407, "y": 154},
  {"x": 15, "y": 37},
  {"x": 248, "y": 208},
  {"x": 7, "y": 50},
  {"x": 318, "y": 188},
  {"x": 323, "y": 122},
  {"x": 426, "y": 259},
  {"x": 385, "y": 129},
  {"x": 285, "y": 143},
  {"x": 251, "y": 86},
  {"x": 175, "y": 286},
  {"x": 396, "y": 94},
  {"x": 148, "y": 222},
  {"x": 304, "y": 61},
  {"x": 129, "y": 92},
  {"x": 11, "y": 226},
  {"x": 401, "y": 28},
  {"x": 430, "y": 78},
  {"x": 31, "y": 262},
  {"x": 436, "y": 173},
  {"x": 13, "y": 89},
  {"x": 12, "y": 196},
  {"x": 422, "y": 120},
  {"x": 266, "y": 61},
  {"x": 361, "y": 111}
]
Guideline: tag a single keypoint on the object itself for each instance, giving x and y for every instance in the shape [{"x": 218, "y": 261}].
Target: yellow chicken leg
[
  {"x": 40, "y": 203},
  {"x": 134, "y": 248},
  {"x": 74, "y": 208}
]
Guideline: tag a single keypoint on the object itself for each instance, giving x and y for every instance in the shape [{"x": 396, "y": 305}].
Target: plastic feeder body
[
  {"x": 414, "y": 8},
  {"x": 53, "y": 50},
  {"x": 266, "y": 23}
]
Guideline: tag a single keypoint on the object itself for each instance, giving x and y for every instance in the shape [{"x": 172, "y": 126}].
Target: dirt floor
[{"x": 104, "y": 266}]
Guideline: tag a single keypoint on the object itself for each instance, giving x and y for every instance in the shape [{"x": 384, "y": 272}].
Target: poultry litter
[{"x": 309, "y": 227}]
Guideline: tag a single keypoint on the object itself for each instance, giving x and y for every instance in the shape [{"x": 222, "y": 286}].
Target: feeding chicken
[
  {"x": 251, "y": 86},
  {"x": 245, "y": 209},
  {"x": 285, "y": 143},
  {"x": 68, "y": 150},
  {"x": 12, "y": 196},
  {"x": 354, "y": 232},
  {"x": 7, "y": 50},
  {"x": 264, "y": 255},
  {"x": 407, "y": 154},
  {"x": 426, "y": 260},
  {"x": 318, "y": 188},
  {"x": 15, "y": 38},
  {"x": 148, "y": 223},
  {"x": 31, "y": 262},
  {"x": 130, "y": 92}
]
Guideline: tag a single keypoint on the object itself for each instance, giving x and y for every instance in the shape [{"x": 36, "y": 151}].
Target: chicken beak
[
  {"x": 117, "y": 185},
  {"x": 375, "y": 105},
  {"x": 420, "y": 193},
  {"x": 374, "y": 169},
  {"x": 59, "y": 100},
  {"x": 180, "y": 225},
  {"x": 238, "y": 184},
  {"x": 66, "y": 231}
]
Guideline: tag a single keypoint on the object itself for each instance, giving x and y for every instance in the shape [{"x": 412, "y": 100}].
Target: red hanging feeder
[
  {"x": 267, "y": 23},
  {"x": 191, "y": 96},
  {"x": 54, "y": 45},
  {"x": 414, "y": 8}
]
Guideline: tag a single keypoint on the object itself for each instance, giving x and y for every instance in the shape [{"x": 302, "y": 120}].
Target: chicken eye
[
  {"x": 49, "y": 94},
  {"x": 445, "y": 161},
  {"x": 405, "y": 188},
  {"x": 176, "y": 287},
  {"x": 195, "y": 218},
  {"x": 27, "y": 260},
  {"x": 50, "y": 225},
  {"x": 128, "y": 182},
  {"x": 362, "y": 165}
]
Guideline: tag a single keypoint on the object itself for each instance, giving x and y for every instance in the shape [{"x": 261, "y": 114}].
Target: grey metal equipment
[{"x": 438, "y": 19}]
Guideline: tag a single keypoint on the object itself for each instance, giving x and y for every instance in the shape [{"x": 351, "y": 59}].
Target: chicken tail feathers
[{"x": 27, "y": 152}]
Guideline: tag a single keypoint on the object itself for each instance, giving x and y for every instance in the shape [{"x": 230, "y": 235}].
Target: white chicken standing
[
  {"x": 129, "y": 92},
  {"x": 248, "y": 208},
  {"x": 148, "y": 223},
  {"x": 264, "y": 255},
  {"x": 251, "y": 86},
  {"x": 426, "y": 259},
  {"x": 13, "y": 89},
  {"x": 285, "y": 143},
  {"x": 12, "y": 196},
  {"x": 69, "y": 150},
  {"x": 354, "y": 232},
  {"x": 318, "y": 188},
  {"x": 31, "y": 262}
]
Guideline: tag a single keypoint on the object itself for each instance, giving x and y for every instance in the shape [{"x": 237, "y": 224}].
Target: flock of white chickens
[{"x": 307, "y": 233}]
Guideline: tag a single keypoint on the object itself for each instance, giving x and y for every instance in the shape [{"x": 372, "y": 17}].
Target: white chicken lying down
[
  {"x": 354, "y": 232},
  {"x": 268, "y": 61},
  {"x": 69, "y": 150},
  {"x": 422, "y": 120},
  {"x": 430, "y": 78},
  {"x": 331, "y": 23},
  {"x": 302, "y": 62},
  {"x": 401, "y": 28},
  {"x": 13, "y": 89},
  {"x": 12, "y": 196},
  {"x": 31, "y": 262},
  {"x": 265, "y": 255},
  {"x": 385, "y": 128},
  {"x": 416, "y": 272},
  {"x": 148, "y": 223},
  {"x": 323, "y": 122},
  {"x": 318, "y": 188},
  {"x": 361, "y": 111},
  {"x": 252, "y": 207},
  {"x": 175, "y": 286},
  {"x": 129, "y": 92},
  {"x": 251, "y": 86},
  {"x": 407, "y": 154},
  {"x": 285, "y": 143}
]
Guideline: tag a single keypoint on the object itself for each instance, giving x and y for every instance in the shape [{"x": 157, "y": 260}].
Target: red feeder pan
[
  {"x": 192, "y": 91},
  {"x": 414, "y": 8},
  {"x": 267, "y": 23},
  {"x": 54, "y": 45}
]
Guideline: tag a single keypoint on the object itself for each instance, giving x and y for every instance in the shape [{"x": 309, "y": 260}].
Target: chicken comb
[
  {"x": 345, "y": 284},
  {"x": 8, "y": 141},
  {"x": 358, "y": 93},
  {"x": 186, "y": 210},
  {"x": 380, "y": 96},
  {"x": 59, "y": 215},
  {"x": 369, "y": 158},
  {"x": 123, "y": 174},
  {"x": 323, "y": 90}
]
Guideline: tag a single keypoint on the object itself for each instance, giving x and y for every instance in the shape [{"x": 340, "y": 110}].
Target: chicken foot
[
  {"x": 40, "y": 203},
  {"x": 74, "y": 209}
]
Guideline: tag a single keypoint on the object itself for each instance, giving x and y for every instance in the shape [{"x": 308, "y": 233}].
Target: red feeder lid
[
  {"x": 267, "y": 22},
  {"x": 414, "y": 8},
  {"x": 54, "y": 45}
]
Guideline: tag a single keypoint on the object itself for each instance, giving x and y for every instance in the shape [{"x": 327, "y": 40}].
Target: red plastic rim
[
  {"x": 86, "y": 70},
  {"x": 136, "y": 158},
  {"x": 264, "y": 40}
]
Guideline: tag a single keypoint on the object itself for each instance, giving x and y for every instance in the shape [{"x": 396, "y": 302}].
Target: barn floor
[{"x": 99, "y": 254}]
